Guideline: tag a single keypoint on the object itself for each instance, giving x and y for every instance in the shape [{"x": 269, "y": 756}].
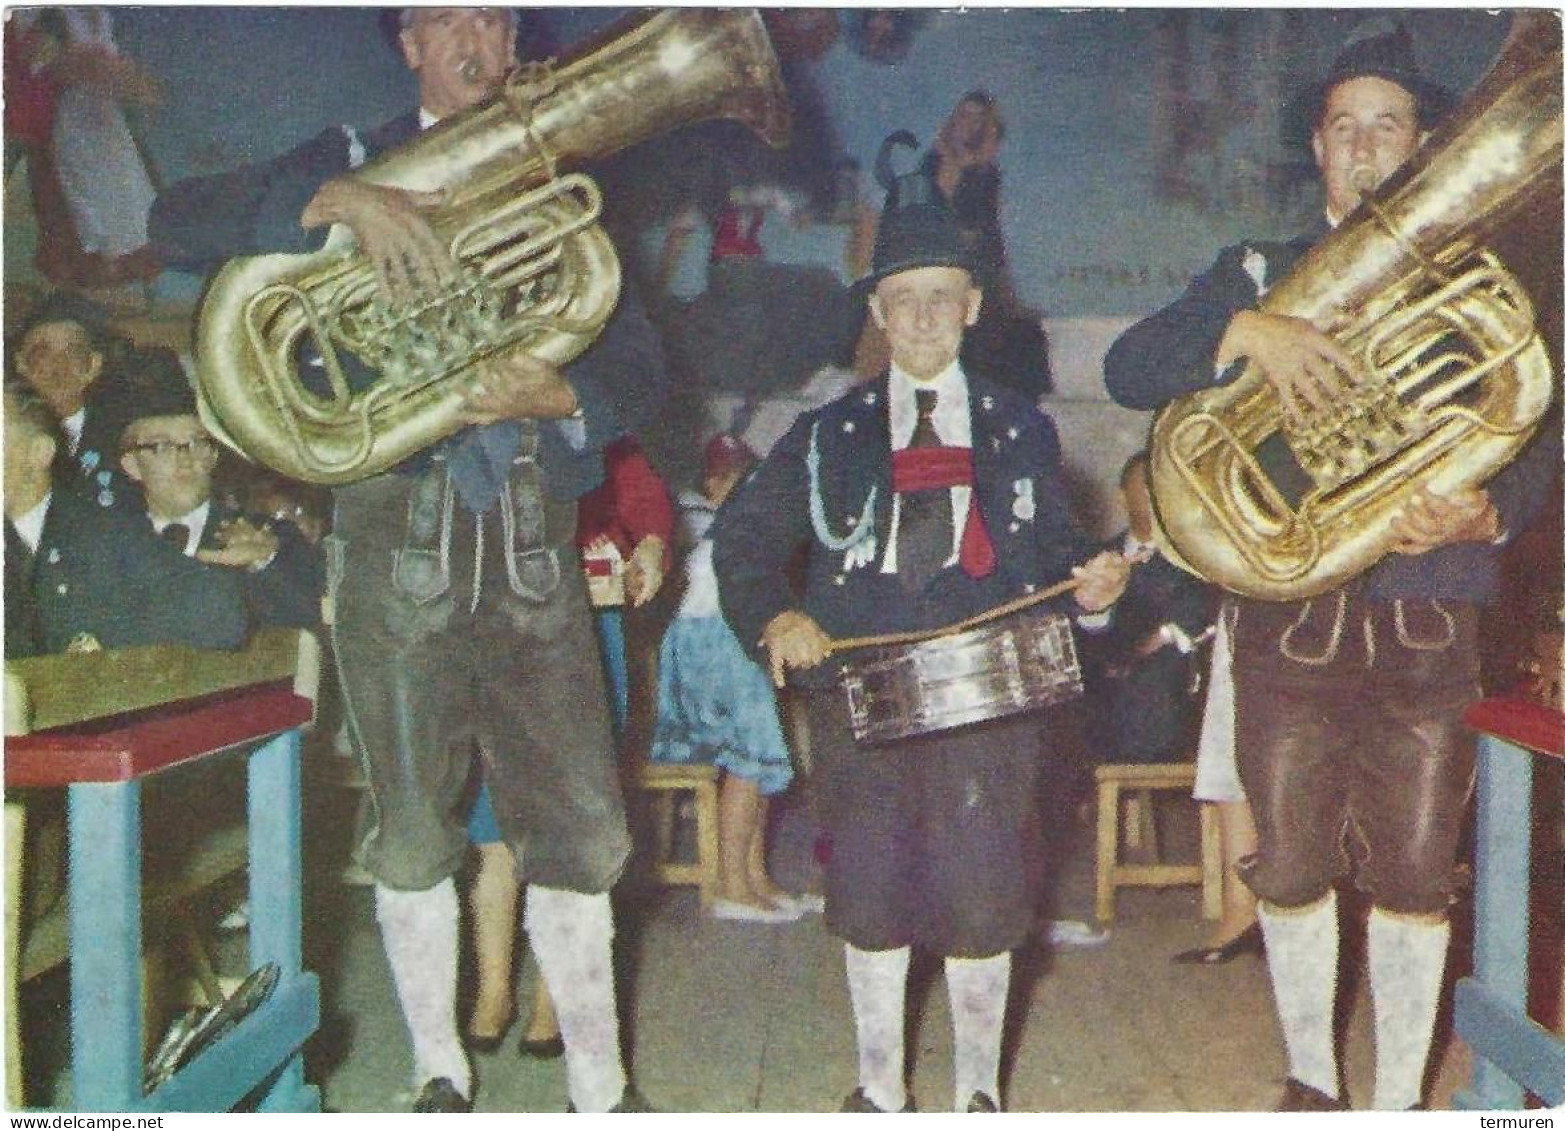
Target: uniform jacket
[
  {"x": 1145, "y": 702},
  {"x": 1171, "y": 353},
  {"x": 254, "y": 210},
  {"x": 287, "y": 593},
  {"x": 103, "y": 572},
  {"x": 841, "y": 511}
]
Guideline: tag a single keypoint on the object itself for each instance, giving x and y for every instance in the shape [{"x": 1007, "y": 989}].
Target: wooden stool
[
  {"x": 668, "y": 780},
  {"x": 1111, "y": 874}
]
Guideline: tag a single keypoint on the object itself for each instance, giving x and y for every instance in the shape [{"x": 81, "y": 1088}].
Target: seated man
[
  {"x": 82, "y": 574},
  {"x": 69, "y": 358},
  {"x": 167, "y": 451}
]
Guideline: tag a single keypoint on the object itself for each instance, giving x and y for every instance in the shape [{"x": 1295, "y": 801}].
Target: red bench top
[
  {"x": 130, "y": 746},
  {"x": 1521, "y": 722}
]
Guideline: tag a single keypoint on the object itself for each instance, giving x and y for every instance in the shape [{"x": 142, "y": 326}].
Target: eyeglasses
[{"x": 198, "y": 448}]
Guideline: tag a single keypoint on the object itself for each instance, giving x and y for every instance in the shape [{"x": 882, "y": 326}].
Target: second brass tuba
[
  {"x": 537, "y": 272},
  {"x": 1453, "y": 377}
]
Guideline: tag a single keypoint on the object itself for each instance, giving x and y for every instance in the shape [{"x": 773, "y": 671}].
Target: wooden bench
[
  {"x": 1136, "y": 780},
  {"x": 99, "y": 726},
  {"x": 669, "y": 780}
]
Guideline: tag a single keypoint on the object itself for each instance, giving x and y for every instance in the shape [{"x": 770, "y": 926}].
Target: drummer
[{"x": 924, "y": 497}]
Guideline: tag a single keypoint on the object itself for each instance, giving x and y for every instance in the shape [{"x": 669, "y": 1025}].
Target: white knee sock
[
  {"x": 419, "y": 931},
  {"x": 1406, "y": 969},
  {"x": 877, "y": 982},
  {"x": 978, "y": 989},
  {"x": 572, "y": 938},
  {"x": 1301, "y": 954}
]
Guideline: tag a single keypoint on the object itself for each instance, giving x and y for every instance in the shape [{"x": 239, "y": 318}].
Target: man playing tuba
[
  {"x": 460, "y": 610},
  {"x": 1348, "y": 705}
]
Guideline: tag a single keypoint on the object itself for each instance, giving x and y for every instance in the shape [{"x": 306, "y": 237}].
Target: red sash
[{"x": 930, "y": 469}]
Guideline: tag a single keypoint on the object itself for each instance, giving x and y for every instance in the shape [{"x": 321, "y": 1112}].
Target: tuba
[
  {"x": 300, "y": 362},
  {"x": 1452, "y": 379}
]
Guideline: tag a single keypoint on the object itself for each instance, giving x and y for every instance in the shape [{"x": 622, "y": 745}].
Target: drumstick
[{"x": 850, "y": 642}]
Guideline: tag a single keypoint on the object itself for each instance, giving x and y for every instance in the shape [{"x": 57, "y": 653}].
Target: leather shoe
[
  {"x": 982, "y": 1102},
  {"x": 440, "y": 1096},
  {"x": 858, "y": 1103},
  {"x": 1247, "y": 941},
  {"x": 541, "y": 1048},
  {"x": 1299, "y": 1096}
]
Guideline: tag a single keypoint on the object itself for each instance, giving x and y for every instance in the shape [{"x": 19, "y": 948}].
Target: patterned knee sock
[
  {"x": 877, "y": 982},
  {"x": 1406, "y": 969},
  {"x": 572, "y": 936},
  {"x": 978, "y": 989},
  {"x": 1301, "y": 954},
  {"x": 419, "y": 931}
]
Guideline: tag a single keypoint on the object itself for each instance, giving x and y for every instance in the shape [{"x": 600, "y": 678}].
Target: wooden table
[
  {"x": 1512, "y": 1054},
  {"x": 101, "y": 758}
]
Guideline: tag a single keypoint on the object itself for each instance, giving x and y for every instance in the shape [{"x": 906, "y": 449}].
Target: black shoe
[
  {"x": 1247, "y": 941},
  {"x": 544, "y": 1048},
  {"x": 1298, "y": 1096},
  {"x": 982, "y": 1102},
  {"x": 440, "y": 1096},
  {"x": 630, "y": 1101},
  {"x": 858, "y": 1103}
]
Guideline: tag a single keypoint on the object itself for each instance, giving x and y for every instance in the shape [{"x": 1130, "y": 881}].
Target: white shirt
[
  {"x": 953, "y": 427},
  {"x": 195, "y": 520},
  {"x": 30, "y": 526},
  {"x": 72, "y": 426}
]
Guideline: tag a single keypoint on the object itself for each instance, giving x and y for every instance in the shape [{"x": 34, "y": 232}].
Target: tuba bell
[
  {"x": 302, "y": 365},
  {"x": 1452, "y": 379}
]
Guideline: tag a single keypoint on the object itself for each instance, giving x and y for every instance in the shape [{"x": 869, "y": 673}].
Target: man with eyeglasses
[
  {"x": 81, "y": 575},
  {"x": 167, "y": 451}
]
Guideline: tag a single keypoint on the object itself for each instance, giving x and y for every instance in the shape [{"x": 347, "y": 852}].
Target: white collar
[
  {"x": 425, "y": 119},
  {"x": 72, "y": 425},
  {"x": 1135, "y": 546},
  {"x": 30, "y": 526},
  {"x": 196, "y": 521}
]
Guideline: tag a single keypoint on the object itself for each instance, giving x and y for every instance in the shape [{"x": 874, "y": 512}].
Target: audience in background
[{"x": 716, "y": 706}]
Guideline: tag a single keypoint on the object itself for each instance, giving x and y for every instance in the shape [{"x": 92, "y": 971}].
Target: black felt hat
[
  {"x": 67, "y": 306},
  {"x": 156, "y": 385},
  {"x": 1379, "y": 48},
  {"x": 922, "y": 234}
]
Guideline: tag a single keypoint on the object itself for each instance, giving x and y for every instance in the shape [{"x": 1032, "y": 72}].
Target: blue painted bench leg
[
  {"x": 276, "y": 914},
  {"x": 1504, "y": 815},
  {"x": 104, "y": 823}
]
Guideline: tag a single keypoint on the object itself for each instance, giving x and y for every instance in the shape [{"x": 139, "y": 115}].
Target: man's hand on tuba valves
[
  {"x": 1304, "y": 365},
  {"x": 391, "y": 230}
]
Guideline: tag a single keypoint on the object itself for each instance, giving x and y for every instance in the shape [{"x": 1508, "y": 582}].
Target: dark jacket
[
  {"x": 768, "y": 518},
  {"x": 1172, "y": 353},
  {"x": 101, "y": 571},
  {"x": 287, "y": 593},
  {"x": 1143, "y": 706}
]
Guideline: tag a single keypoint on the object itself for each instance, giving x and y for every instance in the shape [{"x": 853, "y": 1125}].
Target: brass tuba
[
  {"x": 1453, "y": 377},
  {"x": 537, "y": 272}
]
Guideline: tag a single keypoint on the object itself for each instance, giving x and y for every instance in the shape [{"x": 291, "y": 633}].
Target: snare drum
[{"x": 1018, "y": 663}]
